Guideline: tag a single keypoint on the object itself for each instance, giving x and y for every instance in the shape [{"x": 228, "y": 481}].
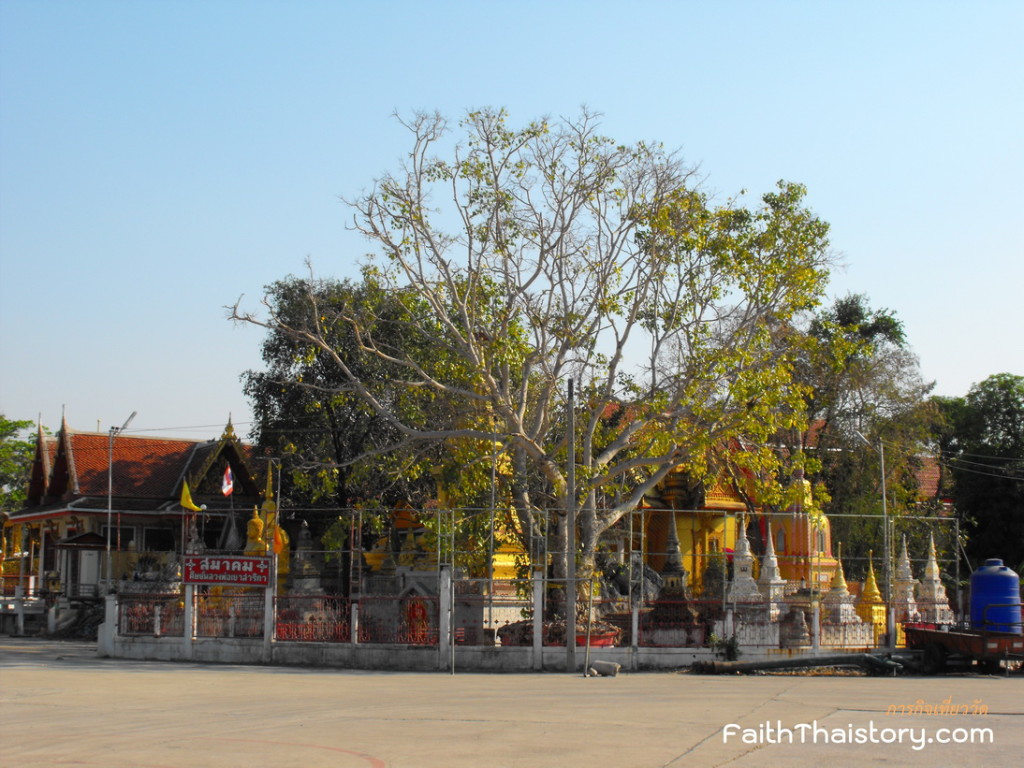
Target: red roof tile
[
  {"x": 142, "y": 467},
  {"x": 929, "y": 475}
]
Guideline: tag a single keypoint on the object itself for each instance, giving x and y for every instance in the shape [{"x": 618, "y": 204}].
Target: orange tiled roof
[
  {"x": 143, "y": 467},
  {"x": 929, "y": 475},
  {"x": 146, "y": 472}
]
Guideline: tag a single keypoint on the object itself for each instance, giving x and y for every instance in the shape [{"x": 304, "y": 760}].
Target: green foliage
[
  {"x": 860, "y": 377},
  {"x": 727, "y": 648},
  {"x": 983, "y": 444},
  {"x": 15, "y": 463},
  {"x": 335, "y": 537},
  {"x": 520, "y": 258},
  {"x": 333, "y": 444}
]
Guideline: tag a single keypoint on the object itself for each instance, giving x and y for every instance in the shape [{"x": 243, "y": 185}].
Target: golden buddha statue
[{"x": 254, "y": 544}]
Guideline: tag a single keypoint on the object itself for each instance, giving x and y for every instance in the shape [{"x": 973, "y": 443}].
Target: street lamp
[
  {"x": 114, "y": 431},
  {"x": 890, "y": 619}
]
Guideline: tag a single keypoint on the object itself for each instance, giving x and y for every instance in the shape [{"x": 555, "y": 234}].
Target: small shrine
[
  {"x": 903, "y": 584},
  {"x": 305, "y": 575},
  {"x": 673, "y": 619},
  {"x": 839, "y": 603},
  {"x": 770, "y": 582},
  {"x": 871, "y": 606},
  {"x": 743, "y": 589},
  {"x": 932, "y": 601}
]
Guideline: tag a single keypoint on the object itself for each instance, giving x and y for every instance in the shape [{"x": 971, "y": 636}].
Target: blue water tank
[{"x": 993, "y": 584}]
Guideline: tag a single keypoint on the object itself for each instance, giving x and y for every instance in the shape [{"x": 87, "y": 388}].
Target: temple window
[
  {"x": 158, "y": 540},
  {"x": 780, "y": 540},
  {"x": 127, "y": 534}
]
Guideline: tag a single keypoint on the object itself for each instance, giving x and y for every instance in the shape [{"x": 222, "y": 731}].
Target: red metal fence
[
  {"x": 151, "y": 615},
  {"x": 313, "y": 618}
]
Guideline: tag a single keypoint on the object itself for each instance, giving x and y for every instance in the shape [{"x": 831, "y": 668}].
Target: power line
[{"x": 969, "y": 470}]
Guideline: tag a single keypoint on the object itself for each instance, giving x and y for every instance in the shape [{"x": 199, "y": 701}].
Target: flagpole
[{"x": 227, "y": 488}]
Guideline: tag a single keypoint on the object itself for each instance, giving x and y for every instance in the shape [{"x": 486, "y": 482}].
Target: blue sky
[{"x": 160, "y": 159}]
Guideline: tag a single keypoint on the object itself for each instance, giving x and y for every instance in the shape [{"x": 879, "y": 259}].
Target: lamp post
[
  {"x": 890, "y": 619},
  {"x": 114, "y": 431}
]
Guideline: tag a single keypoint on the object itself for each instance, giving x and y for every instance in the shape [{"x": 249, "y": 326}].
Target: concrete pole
[
  {"x": 270, "y": 608},
  {"x": 890, "y": 617},
  {"x": 570, "y": 542},
  {"x": 354, "y": 624},
  {"x": 114, "y": 431},
  {"x": 189, "y": 620},
  {"x": 19, "y": 619},
  {"x": 634, "y": 624},
  {"x": 538, "y": 618},
  {"x": 444, "y": 619}
]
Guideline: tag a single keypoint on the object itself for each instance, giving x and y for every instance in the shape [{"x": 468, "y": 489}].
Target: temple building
[
  {"x": 708, "y": 525},
  {"x": 104, "y": 508}
]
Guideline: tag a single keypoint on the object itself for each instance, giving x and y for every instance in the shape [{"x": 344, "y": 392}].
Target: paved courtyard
[{"x": 61, "y": 706}]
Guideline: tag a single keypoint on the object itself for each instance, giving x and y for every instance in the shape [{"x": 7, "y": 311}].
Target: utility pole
[
  {"x": 890, "y": 618},
  {"x": 570, "y": 542},
  {"x": 114, "y": 431}
]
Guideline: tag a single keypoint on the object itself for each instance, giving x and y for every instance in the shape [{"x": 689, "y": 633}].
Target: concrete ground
[{"x": 62, "y": 706}]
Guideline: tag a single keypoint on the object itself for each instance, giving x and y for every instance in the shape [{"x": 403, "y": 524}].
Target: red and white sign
[{"x": 230, "y": 569}]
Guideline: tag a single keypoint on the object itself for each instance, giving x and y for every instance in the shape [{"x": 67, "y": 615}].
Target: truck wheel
[
  {"x": 934, "y": 658},
  {"x": 989, "y": 666}
]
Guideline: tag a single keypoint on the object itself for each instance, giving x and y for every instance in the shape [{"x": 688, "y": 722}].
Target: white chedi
[
  {"x": 743, "y": 588},
  {"x": 932, "y": 601},
  {"x": 904, "y": 602},
  {"x": 840, "y": 605}
]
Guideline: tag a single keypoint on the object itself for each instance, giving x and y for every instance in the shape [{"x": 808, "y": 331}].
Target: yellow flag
[{"x": 186, "y": 499}]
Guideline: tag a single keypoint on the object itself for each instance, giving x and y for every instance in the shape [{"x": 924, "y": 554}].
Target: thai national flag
[{"x": 228, "y": 486}]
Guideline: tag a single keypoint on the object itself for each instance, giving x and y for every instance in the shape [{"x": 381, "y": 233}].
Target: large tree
[
  {"x": 863, "y": 380},
  {"x": 334, "y": 446},
  {"x": 15, "y": 463},
  {"x": 983, "y": 444},
  {"x": 534, "y": 256}
]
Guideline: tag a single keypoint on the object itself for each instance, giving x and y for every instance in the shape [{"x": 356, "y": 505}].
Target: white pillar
[
  {"x": 108, "y": 630},
  {"x": 19, "y": 619},
  {"x": 269, "y": 613},
  {"x": 538, "y": 619},
  {"x": 188, "y": 630},
  {"x": 444, "y": 619},
  {"x": 634, "y": 624},
  {"x": 41, "y": 583},
  {"x": 354, "y": 631}
]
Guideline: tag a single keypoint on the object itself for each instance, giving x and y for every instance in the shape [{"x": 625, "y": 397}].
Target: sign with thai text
[{"x": 227, "y": 569}]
